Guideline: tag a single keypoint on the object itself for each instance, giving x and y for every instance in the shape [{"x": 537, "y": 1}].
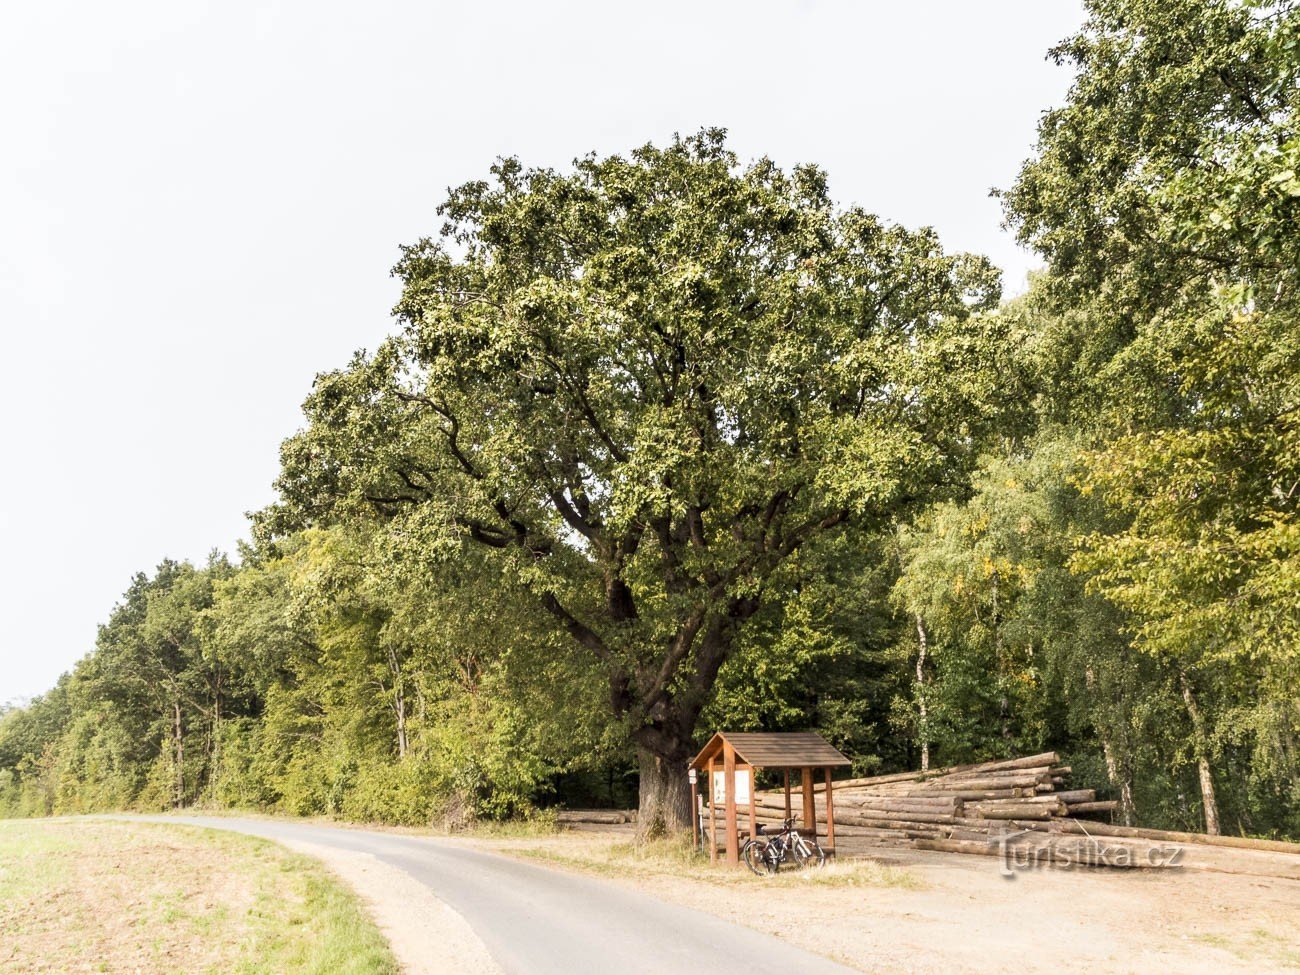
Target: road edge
[{"x": 426, "y": 935}]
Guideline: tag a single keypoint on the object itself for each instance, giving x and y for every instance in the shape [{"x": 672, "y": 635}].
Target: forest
[{"x": 670, "y": 441}]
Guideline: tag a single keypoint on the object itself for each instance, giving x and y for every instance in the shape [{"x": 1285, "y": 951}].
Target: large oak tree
[{"x": 645, "y": 383}]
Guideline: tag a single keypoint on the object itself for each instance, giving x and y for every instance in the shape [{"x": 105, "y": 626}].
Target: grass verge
[{"x": 673, "y": 857}]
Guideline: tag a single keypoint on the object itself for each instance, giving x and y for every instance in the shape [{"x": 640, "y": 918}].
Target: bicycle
[{"x": 766, "y": 856}]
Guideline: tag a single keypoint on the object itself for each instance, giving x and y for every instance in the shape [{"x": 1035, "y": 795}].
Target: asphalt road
[{"x": 537, "y": 921}]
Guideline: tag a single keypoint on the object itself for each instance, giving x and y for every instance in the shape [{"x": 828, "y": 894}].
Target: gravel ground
[
  {"x": 426, "y": 935},
  {"x": 1225, "y": 912}
]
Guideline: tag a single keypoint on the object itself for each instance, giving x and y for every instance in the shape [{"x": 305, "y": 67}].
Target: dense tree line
[{"x": 666, "y": 443}]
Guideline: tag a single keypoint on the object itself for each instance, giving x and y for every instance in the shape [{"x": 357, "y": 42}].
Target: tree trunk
[
  {"x": 178, "y": 744},
  {"x": 214, "y": 746},
  {"x": 1208, "y": 801},
  {"x": 1122, "y": 780},
  {"x": 665, "y": 744},
  {"x": 1004, "y": 697},
  {"x": 922, "y": 716},
  {"x": 399, "y": 701},
  {"x": 399, "y": 705},
  {"x": 665, "y": 794}
]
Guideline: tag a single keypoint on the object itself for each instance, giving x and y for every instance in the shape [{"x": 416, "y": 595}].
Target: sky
[{"x": 200, "y": 204}]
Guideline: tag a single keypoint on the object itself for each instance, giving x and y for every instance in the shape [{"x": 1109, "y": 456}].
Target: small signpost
[{"x": 730, "y": 761}]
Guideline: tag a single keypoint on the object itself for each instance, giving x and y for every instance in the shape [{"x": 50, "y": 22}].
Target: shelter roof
[{"x": 774, "y": 749}]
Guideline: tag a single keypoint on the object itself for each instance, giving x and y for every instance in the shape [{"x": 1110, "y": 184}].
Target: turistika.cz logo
[{"x": 1085, "y": 851}]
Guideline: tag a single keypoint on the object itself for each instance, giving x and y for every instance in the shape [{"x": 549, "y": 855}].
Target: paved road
[{"x": 537, "y": 921}]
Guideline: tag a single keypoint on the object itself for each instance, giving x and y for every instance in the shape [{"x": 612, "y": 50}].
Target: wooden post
[
  {"x": 729, "y": 783},
  {"x": 753, "y": 801},
  {"x": 788, "y": 813},
  {"x": 830, "y": 815},
  {"x": 809, "y": 803},
  {"x": 695, "y": 809},
  {"x": 713, "y": 817}
]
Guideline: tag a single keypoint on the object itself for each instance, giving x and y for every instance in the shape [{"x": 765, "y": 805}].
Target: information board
[{"x": 742, "y": 787}]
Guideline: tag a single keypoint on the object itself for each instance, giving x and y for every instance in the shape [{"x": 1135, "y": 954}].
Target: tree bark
[
  {"x": 399, "y": 705},
  {"x": 214, "y": 746},
  {"x": 668, "y": 699},
  {"x": 1124, "y": 782},
  {"x": 1209, "y": 803},
  {"x": 399, "y": 702},
  {"x": 665, "y": 793},
  {"x": 1120, "y": 779},
  {"x": 178, "y": 745},
  {"x": 922, "y": 715},
  {"x": 1004, "y": 698}
]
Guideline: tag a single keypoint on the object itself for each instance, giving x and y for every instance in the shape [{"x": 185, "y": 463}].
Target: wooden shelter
[{"x": 732, "y": 758}]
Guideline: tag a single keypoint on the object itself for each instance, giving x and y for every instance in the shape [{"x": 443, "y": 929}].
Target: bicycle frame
[{"x": 778, "y": 848}]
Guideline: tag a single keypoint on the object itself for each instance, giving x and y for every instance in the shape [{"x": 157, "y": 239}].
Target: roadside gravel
[{"x": 426, "y": 935}]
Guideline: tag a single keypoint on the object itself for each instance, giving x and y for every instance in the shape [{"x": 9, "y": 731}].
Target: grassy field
[{"x": 83, "y": 896}]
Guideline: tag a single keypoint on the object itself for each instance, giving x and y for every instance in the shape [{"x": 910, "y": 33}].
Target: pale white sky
[{"x": 200, "y": 203}]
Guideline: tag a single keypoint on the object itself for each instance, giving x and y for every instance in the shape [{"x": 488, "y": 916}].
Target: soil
[{"x": 96, "y": 898}]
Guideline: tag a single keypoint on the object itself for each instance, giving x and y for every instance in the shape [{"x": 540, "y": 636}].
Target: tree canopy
[{"x": 647, "y": 383}]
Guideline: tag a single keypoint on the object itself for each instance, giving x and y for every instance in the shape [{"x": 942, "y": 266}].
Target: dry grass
[
  {"x": 80, "y": 896},
  {"x": 599, "y": 854},
  {"x": 1257, "y": 946}
]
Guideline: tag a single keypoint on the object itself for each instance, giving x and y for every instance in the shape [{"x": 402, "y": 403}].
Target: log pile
[
  {"x": 1025, "y": 802},
  {"x": 959, "y": 809},
  {"x": 945, "y": 803},
  {"x": 980, "y": 809}
]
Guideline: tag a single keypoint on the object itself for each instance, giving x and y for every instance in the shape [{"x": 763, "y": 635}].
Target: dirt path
[{"x": 960, "y": 915}]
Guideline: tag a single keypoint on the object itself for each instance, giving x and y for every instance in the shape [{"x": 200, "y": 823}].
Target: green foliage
[
  {"x": 1164, "y": 196},
  {"x": 295, "y": 677},
  {"x": 823, "y": 656},
  {"x": 667, "y": 443}
]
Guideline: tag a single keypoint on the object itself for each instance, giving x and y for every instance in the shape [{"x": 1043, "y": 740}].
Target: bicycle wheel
[
  {"x": 808, "y": 853},
  {"x": 754, "y": 853}
]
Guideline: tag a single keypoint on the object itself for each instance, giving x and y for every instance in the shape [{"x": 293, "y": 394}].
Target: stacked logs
[
  {"x": 959, "y": 809},
  {"x": 941, "y": 803},
  {"x": 1019, "y": 804}
]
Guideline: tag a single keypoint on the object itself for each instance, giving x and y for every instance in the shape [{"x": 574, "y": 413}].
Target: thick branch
[
  {"x": 580, "y": 631},
  {"x": 572, "y": 518},
  {"x": 678, "y": 648}
]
